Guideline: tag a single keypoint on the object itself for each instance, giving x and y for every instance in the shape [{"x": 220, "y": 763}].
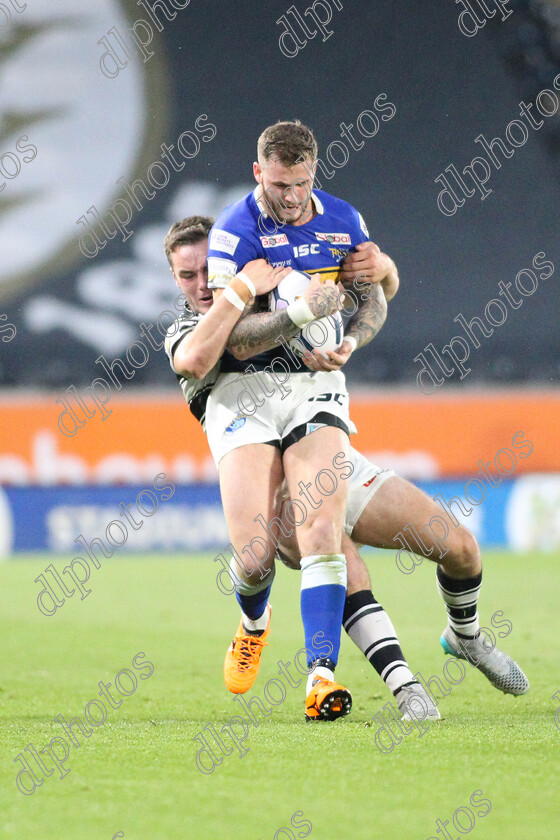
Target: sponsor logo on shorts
[
  {"x": 236, "y": 424},
  {"x": 334, "y": 238},
  {"x": 379, "y": 472},
  {"x": 221, "y": 240},
  {"x": 312, "y": 427},
  {"x": 274, "y": 241}
]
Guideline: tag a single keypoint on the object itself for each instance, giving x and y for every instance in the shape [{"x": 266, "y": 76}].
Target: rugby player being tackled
[
  {"x": 379, "y": 504},
  {"x": 303, "y": 428}
]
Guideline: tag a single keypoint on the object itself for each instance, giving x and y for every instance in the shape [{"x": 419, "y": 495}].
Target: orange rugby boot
[
  {"x": 327, "y": 700},
  {"x": 243, "y": 658}
]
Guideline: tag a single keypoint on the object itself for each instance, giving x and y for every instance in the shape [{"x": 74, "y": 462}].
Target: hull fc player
[
  {"x": 380, "y": 504},
  {"x": 303, "y": 427}
]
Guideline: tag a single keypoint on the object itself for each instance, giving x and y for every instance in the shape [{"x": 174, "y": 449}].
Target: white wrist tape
[
  {"x": 300, "y": 313},
  {"x": 248, "y": 282},
  {"x": 352, "y": 341},
  {"x": 233, "y": 298}
]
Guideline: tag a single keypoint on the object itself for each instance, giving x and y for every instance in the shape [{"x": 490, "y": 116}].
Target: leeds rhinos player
[
  {"x": 309, "y": 218},
  {"x": 372, "y": 521},
  {"x": 299, "y": 430},
  {"x": 193, "y": 347}
]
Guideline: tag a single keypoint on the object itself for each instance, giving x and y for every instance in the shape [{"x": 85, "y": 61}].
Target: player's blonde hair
[
  {"x": 287, "y": 142},
  {"x": 189, "y": 231}
]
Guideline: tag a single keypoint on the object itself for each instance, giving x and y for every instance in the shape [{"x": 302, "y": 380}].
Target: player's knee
[
  {"x": 258, "y": 557},
  {"x": 469, "y": 549},
  {"x": 323, "y": 530},
  {"x": 464, "y": 552}
]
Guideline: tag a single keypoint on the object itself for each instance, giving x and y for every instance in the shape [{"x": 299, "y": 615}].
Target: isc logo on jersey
[
  {"x": 335, "y": 238},
  {"x": 274, "y": 241},
  {"x": 305, "y": 250}
]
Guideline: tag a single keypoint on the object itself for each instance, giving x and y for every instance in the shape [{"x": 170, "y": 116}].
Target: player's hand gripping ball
[{"x": 324, "y": 334}]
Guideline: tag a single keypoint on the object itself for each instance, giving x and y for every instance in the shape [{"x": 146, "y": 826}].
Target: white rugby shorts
[
  {"x": 365, "y": 481},
  {"x": 248, "y": 408}
]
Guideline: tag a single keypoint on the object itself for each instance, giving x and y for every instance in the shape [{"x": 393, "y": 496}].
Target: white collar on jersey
[{"x": 317, "y": 203}]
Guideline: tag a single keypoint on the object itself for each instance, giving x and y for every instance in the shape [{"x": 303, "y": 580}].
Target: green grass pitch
[{"x": 135, "y": 777}]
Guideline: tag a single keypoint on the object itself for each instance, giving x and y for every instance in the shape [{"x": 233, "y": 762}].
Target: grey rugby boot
[
  {"x": 502, "y": 671},
  {"x": 415, "y": 703}
]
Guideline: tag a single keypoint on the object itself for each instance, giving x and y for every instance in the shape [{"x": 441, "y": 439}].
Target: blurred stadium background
[{"x": 92, "y": 131}]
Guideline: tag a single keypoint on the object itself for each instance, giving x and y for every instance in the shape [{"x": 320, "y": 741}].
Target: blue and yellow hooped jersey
[{"x": 244, "y": 232}]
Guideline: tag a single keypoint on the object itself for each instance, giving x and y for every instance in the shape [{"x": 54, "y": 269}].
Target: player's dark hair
[
  {"x": 287, "y": 142},
  {"x": 189, "y": 231}
]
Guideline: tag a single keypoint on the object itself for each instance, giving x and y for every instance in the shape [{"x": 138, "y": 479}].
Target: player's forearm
[
  {"x": 370, "y": 317},
  {"x": 258, "y": 332},
  {"x": 390, "y": 283},
  {"x": 200, "y": 351}
]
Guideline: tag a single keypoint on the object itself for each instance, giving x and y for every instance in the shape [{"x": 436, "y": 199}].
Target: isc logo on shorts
[
  {"x": 236, "y": 424},
  {"x": 335, "y": 238},
  {"x": 274, "y": 241}
]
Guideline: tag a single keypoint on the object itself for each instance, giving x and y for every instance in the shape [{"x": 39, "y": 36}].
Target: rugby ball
[{"x": 324, "y": 334}]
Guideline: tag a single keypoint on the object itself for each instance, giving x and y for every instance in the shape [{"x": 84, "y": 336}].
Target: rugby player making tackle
[{"x": 194, "y": 346}]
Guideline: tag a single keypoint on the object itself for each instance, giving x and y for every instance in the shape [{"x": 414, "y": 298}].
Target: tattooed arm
[
  {"x": 370, "y": 317},
  {"x": 256, "y": 332},
  {"x": 362, "y": 327}
]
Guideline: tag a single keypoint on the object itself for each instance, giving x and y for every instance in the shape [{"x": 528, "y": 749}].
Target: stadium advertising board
[
  {"x": 52, "y": 518},
  {"x": 437, "y": 437},
  {"x": 57, "y": 487}
]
